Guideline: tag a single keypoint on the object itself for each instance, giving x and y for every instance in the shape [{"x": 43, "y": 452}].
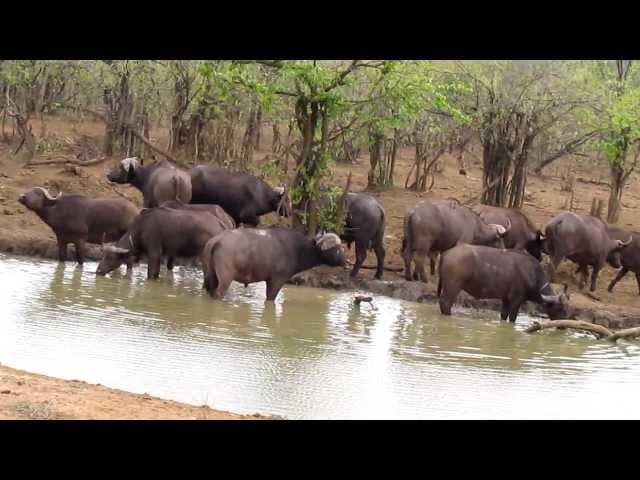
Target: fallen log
[
  {"x": 626, "y": 333},
  {"x": 598, "y": 330},
  {"x": 372, "y": 267},
  {"x": 387, "y": 269},
  {"x": 64, "y": 160},
  {"x": 358, "y": 299}
]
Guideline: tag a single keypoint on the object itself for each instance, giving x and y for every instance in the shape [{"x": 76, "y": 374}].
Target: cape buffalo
[
  {"x": 364, "y": 225},
  {"x": 159, "y": 232},
  {"x": 629, "y": 256},
  {"x": 77, "y": 219},
  {"x": 438, "y": 225},
  {"x": 522, "y": 235},
  {"x": 241, "y": 195},
  {"x": 274, "y": 255},
  {"x": 215, "y": 210},
  {"x": 584, "y": 240},
  {"x": 158, "y": 182},
  {"x": 509, "y": 275}
]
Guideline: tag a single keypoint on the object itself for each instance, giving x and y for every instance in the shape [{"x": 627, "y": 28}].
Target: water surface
[{"x": 311, "y": 354}]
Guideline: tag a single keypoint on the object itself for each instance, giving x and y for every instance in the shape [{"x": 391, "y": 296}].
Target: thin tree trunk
[{"x": 615, "y": 197}]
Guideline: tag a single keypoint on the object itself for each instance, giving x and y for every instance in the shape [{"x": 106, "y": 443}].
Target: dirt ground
[
  {"x": 27, "y": 396},
  {"x": 22, "y": 231}
]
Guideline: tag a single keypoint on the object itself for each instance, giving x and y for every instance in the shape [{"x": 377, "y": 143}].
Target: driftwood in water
[
  {"x": 598, "y": 330},
  {"x": 358, "y": 299}
]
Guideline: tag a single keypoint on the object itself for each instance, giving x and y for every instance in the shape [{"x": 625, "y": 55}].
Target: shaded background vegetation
[{"x": 525, "y": 115}]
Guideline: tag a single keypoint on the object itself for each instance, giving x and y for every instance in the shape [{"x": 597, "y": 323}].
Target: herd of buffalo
[{"x": 212, "y": 214}]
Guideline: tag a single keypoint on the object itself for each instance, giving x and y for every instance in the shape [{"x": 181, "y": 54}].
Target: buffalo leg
[
  {"x": 273, "y": 287},
  {"x": 361, "y": 255},
  {"x": 448, "y": 294},
  {"x": 419, "y": 260},
  {"x": 583, "y": 270},
  {"x": 594, "y": 277},
  {"x": 513, "y": 313},
  {"x": 80, "y": 251},
  {"x": 380, "y": 254},
  {"x": 638, "y": 280},
  {"x": 446, "y": 301},
  {"x": 62, "y": 250},
  {"x": 221, "y": 287},
  {"x": 170, "y": 264},
  {"x": 432, "y": 262},
  {"x": 621, "y": 273},
  {"x": 504, "y": 311},
  {"x": 153, "y": 267}
]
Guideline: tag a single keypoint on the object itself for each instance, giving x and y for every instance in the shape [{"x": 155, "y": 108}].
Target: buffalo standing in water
[
  {"x": 274, "y": 255},
  {"x": 159, "y": 232},
  {"x": 158, "y": 182},
  {"x": 79, "y": 220},
  {"x": 509, "y": 275}
]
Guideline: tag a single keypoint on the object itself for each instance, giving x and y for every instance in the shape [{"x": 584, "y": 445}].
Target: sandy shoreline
[{"x": 30, "y": 396}]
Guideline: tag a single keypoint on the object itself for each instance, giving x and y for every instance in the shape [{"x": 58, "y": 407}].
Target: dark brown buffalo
[
  {"x": 159, "y": 182},
  {"x": 274, "y": 255},
  {"x": 159, "y": 232},
  {"x": 364, "y": 225},
  {"x": 438, "y": 225},
  {"x": 508, "y": 275},
  {"x": 522, "y": 235},
  {"x": 629, "y": 256},
  {"x": 216, "y": 210},
  {"x": 241, "y": 195},
  {"x": 584, "y": 240},
  {"x": 79, "y": 220}
]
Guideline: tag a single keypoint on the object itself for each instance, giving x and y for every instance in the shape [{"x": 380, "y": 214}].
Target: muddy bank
[
  {"x": 394, "y": 286},
  {"x": 28, "y": 396}
]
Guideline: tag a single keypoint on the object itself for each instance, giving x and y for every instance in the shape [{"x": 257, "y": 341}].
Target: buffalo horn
[{"x": 46, "y": 193}]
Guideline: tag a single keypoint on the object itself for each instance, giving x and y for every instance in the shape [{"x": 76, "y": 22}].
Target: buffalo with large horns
[{"x": 78, "y": 219}]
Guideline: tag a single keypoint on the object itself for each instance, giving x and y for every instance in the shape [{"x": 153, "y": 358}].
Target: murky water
[{"x": 312, "y": 354}]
